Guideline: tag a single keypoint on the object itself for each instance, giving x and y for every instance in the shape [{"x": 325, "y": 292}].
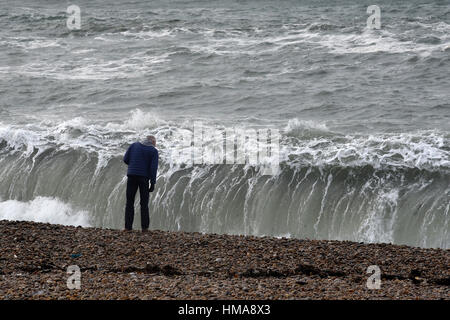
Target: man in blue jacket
[{"x": 142, "y": 161}]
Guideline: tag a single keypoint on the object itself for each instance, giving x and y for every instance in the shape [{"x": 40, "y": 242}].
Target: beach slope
[{"x": 114, "y": 264}]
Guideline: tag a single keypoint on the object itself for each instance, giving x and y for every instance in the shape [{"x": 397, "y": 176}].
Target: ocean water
[{"x": 363, "y": 114}]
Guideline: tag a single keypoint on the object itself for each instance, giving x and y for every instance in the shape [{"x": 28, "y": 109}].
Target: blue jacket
[{"x": 142, "y": 160}]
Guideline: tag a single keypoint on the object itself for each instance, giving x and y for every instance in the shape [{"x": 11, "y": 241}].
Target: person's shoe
[
  {"x": 127, "y": 230},
  {"x": 144, "y": 230}
]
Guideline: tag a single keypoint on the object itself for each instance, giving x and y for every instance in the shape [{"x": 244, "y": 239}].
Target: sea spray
[{"x": 43, "y": 209}]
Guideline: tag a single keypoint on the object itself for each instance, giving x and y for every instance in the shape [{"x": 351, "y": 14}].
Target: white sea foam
[
  {"x": 423, "y": 150},
  {"x": 21, "y": 139},
  {"x": 440, "y": 26},
  {"x": 30, "y": 44},
  {"x": 43, "y": 209},
  {"x": 368, "y": 41},
  {"x": 371, "y": 41},
  {"x": 300, "y": 124},
  {"x": 303, "y": 142},
  {"x": 89, "y": 68},
  {"x": 149, "y": 34},
  {"x": 138, "y": 120},
  {"x": 379, "y": 221}
]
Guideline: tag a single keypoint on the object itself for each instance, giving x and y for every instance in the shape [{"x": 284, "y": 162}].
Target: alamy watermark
[
  {"x": 215, "y": 145},
  {"x": 74, "y": 17},
  {"x": 74, "y": 280},
  {"x": 374, "y": 20},
  {"x": 374, "y": 281}
]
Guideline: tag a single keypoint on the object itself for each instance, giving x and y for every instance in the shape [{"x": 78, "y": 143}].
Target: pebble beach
[{"x": 116, "y": 264}]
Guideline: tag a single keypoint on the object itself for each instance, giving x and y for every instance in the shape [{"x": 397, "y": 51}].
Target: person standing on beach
[{"x": 142, "y": 161}]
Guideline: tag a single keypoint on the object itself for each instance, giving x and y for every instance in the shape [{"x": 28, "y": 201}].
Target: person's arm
[
  {"x": 153, "y": 170},
  {"x": 126, "y": 158}
]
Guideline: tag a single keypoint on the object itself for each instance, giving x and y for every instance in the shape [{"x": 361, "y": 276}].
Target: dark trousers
[{"x": 133, "y": 184}]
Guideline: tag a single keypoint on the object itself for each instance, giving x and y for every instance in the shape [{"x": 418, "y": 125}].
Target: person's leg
[
  {"x": 144, "y": 195},
  {"x": 132, "y": 186}
]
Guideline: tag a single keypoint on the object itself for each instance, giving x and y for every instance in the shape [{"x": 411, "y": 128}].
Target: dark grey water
[{"x": 363, "y": 114}]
